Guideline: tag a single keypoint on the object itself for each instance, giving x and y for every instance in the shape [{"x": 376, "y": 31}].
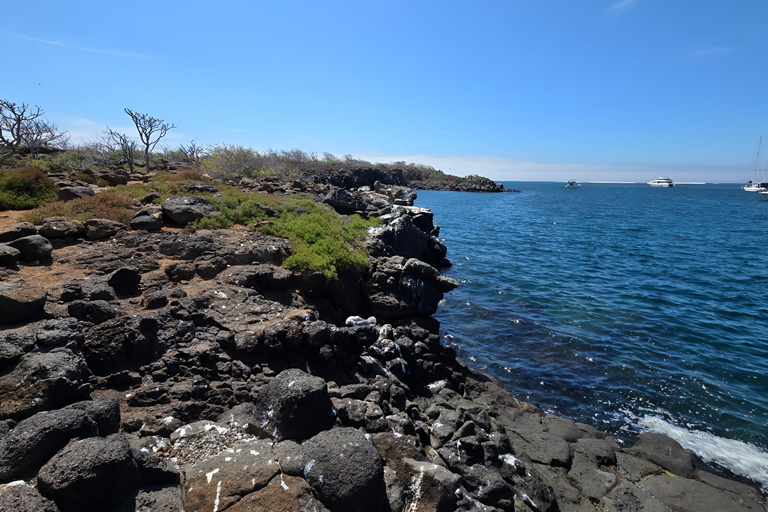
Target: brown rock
[
  {"x": 102, "y": 228},
  {"x": 59, "y": 227},
  {"x": 21, "y": 301}
]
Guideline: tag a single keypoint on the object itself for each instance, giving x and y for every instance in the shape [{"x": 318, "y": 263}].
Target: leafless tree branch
[
  {"x": 150, "y": 129},
  {"x": 14, "y": 119}
]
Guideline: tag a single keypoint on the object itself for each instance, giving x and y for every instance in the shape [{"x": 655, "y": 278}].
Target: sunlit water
[{"x": 625, "y": 306}]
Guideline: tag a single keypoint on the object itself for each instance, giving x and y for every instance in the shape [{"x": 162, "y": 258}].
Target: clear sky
[{"x": 622, "y": 90}]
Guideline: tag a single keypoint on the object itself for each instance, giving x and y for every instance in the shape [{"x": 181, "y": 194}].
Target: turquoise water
[{"x": 621, "y": 305}]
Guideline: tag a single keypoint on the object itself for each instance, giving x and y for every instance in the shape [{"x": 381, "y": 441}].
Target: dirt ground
[{"x": 10, "y": 217}]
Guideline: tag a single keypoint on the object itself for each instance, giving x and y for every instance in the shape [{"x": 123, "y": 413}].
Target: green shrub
[
  {"x": 322, "y": 240},
  {"x": 25, "y": 188}
]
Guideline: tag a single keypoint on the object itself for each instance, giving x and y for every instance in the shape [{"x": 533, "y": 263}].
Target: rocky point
[{"x": 164, "y": 368}]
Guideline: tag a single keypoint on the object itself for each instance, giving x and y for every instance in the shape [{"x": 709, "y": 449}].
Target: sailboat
[{"x": 752, "y": 185}]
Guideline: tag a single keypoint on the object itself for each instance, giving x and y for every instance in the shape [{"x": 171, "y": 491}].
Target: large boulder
[
  {"x": 32, "y": 248},
  {"x": 59, "y": 227},
  {"x": 294, "y": 405},
  {"x": 92, "y": 474},
  {"x": 21, "y": 300},
  {"x": 183, "y": 210},
  {"x": 52, "y": 379},
  {"x": 102, "y": 228},
  {"x": 35, "y": 440},
  {"x": 19, "y": 230},
  {"x": 147, "y": 220},
  {"x": 345, "y": 470},
  {"x": 75, "y": 192},
  {"x": 114, "y": 178}
]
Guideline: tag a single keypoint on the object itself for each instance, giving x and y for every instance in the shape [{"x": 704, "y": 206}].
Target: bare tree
[
  {"x": 150, "y": 129},
  {"x": 193, "y": 152},
  {"x": 14, "y": 121},
  {"x": 38, "y": 134},
  {"x": 122, "y": 143}
]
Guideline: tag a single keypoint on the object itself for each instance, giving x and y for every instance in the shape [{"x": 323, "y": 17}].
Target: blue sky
[{"x": 621, "y": 90}]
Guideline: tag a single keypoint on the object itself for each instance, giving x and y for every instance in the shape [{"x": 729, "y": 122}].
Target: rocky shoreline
[{"x": 164, "y": 368}]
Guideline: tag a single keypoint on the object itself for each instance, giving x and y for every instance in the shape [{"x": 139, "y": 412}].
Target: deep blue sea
[{"x": 628, "y": 307}]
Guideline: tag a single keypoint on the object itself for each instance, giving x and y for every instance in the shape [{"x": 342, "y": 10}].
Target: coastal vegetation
[
  {"x": 31, "y": 149},
  {"x": 25, "y": 188},
  {"x": 322, "y": 240}
]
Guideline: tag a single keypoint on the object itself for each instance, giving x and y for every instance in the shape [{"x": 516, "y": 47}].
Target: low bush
[
  {"x": 179, "y": 177},
  {"x": 322, "y": 240},
  {"x": 25, "y": 188},
  {"x": 107, "y": 205}
]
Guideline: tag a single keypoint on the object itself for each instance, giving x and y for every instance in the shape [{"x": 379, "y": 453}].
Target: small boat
[
  {"x": 755, "y": 186},
  {"x": 662, "y": 181},
  {"x": 752, "y": 185},
  {"x": 572, "y": 184}
]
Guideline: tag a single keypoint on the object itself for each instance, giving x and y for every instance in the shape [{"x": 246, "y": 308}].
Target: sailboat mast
[{"x": 754, "y": 174}]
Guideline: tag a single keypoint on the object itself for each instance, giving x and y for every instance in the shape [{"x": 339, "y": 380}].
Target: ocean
[{"x": 628, "y": 307}]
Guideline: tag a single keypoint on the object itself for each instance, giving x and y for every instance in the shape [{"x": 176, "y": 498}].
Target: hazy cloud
[
  {"x": 80, "y": 48},
  {"x": 711, "y": 52},
  {"x": 621, "y": 6}
]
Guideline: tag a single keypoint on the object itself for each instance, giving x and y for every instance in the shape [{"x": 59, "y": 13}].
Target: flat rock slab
[
  {"x": 686, "y": 495},
  {"x": 222, "y": 480},
  {"x": 283, "y": 492}
]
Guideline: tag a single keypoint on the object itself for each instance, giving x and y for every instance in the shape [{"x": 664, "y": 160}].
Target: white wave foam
[{"x": 741, "y": 458}]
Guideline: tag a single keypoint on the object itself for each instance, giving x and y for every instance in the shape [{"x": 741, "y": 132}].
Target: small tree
[
  {"x": 150, "y": 129},
  {"x": 21, "y": 126},
  {"x": 193, "y": 153},
  {"x": 39, "y": 133},
  {"x": 122, "y": 143}
]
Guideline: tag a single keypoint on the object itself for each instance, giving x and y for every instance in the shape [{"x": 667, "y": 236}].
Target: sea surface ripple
[{"x": 629, "y": 307}]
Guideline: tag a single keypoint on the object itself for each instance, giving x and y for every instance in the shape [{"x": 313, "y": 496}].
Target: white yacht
[
  {"x": 753, "y": 185},
  {"x": 662, "y": 181},
  {"x": 572, "y": 184}
]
